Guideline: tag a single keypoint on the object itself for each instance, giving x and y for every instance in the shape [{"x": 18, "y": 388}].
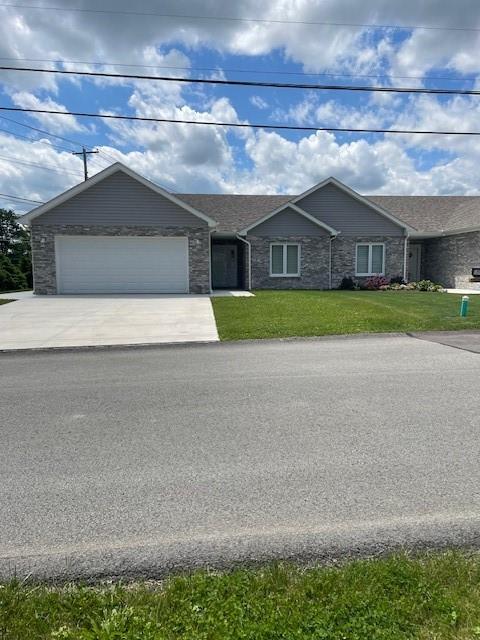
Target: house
[{"x": 120, "y": 233}]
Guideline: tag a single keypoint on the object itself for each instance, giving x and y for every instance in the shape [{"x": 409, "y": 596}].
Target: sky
[{"x": 271, "y": 41}]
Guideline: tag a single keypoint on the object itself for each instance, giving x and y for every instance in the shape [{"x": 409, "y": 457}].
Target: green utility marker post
[{"x": 464, "y": 306}]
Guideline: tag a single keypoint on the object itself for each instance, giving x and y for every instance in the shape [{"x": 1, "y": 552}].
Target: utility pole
[{"x": 84, "y": 153}]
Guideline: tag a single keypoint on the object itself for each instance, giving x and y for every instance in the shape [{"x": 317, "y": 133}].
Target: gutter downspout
[
  {"x": 210, "y": 231},
  {"x": 332, "y": 238},
  {"x": 249, "y": 259},
  {"x": 405, "y": 257}
]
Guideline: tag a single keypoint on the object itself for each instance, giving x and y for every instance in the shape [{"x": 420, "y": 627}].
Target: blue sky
[{"x": 196, "y": 158}]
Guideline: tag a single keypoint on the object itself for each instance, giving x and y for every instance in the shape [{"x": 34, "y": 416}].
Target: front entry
[
  {"x": 414, "y": 262},
  {"x": 224, "y": 266}
]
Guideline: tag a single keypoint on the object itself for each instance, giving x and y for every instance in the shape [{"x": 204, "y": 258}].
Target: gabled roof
[
  {"x": 366, "y": 201},
  {"x": 98, "y": 177},
  {"x": 231, "y": 213},
  {"x": 291, "y": 205}
]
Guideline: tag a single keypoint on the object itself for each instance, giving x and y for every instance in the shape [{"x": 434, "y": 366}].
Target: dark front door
[{"x": 224, "y": 266}]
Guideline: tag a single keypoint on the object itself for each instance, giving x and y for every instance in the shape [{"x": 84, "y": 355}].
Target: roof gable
[
  {"x": 294, "y": 207},
  {"x": 355, "y": 196},
  {"x": 99, "y": 177}
]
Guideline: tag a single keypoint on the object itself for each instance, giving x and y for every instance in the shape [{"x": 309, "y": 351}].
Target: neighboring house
[{"x": 120, "y": 233}]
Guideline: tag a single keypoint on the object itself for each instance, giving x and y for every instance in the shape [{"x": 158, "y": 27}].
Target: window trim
[
  {"x": 284, "y": 245},
  {"x": 370, "y": 253}
]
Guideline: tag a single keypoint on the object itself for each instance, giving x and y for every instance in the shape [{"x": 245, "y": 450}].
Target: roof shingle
[{"x": 426, "y": 214}]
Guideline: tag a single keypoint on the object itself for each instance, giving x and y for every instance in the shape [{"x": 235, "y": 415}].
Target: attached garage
[
  {"x": 117, "y": 232},
  {"x": 133, "y": 264}
]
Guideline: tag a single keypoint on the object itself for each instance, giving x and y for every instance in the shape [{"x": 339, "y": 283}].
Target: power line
[
  {"x": 240, "y": 19},
  {"x": 241, "y": 124},
  {"x": 6, "y": 195},
  {"x": 39, "y": 166},
  {"x": 54, "y": 135},
  {"x": 252, "y": 83},
  {"x": 330, "y": 74},
  {"x": 47, "y": 133},
  {"x": 47, "y": 144}
]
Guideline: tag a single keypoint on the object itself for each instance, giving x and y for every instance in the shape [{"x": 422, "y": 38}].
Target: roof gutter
[{"x": 443, "y": 233}]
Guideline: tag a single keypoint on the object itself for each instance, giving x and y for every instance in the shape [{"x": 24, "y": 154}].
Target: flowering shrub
[
  {"x": 376, "y": 282},
  {"x": 421, "y": 285},
  {"x": 427, "y": 285}
]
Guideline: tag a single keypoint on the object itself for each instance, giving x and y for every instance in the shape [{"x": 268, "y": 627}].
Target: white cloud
[
  {"x": 258, "y": 102},
  {"x": 55, "y": 123},
  {"x": 189, "y": 157}
]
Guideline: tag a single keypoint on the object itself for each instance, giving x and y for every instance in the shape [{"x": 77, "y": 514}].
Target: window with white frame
[
  {"x": 284, "y": 259},
  {"x": 370, "y": 259}
]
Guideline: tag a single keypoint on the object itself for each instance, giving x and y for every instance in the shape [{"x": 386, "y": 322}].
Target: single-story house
[{"x": 120, "y": 233}]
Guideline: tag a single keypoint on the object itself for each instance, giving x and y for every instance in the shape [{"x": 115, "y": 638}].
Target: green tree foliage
[
  {"x": 11, "y": 278},
  {"x": 15, "y": 253}
]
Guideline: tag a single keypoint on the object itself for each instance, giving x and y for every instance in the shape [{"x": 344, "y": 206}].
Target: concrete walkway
[{"x": 72, "y": 321}]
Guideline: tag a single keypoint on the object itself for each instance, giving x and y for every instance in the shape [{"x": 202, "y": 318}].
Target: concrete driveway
[{"x": 75, "y": 321}]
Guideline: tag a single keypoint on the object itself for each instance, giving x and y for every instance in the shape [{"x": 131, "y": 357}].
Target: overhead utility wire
[
  {"x": 238, "y": 18},
  {"x": 254, "y": 71},
  {"x": 40, "y": 166},
  {"x": 47, "y": 144},
  {"x": 251, "y": 83},
  {"x": 47, "y": 133},
  {"x": 241, "y": 124},
  {"x": 10, "y": 197},
  {"x": 54, "y": 135}
]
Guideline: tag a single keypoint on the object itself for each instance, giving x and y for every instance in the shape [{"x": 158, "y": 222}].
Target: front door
[
  {"x": 415, "y": 257},
  {"x": 224, "y": 266}
]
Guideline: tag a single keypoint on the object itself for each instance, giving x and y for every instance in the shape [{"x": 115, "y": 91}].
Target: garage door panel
[{"x": 134, "y": 264}]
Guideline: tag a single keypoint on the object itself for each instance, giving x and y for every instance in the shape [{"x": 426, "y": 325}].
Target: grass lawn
[
  {"x": 3, "y": 301},
  {"x": 435, "y": 597},
  {"x": 280, "y": 314}
]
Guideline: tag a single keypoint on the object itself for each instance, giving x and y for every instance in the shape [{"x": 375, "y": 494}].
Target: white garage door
[{"x": 105, "y": 264}]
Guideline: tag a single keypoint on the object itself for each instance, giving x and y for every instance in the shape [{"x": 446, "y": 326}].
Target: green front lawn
[
  {"x": 281, "y": 314},
  {"x": 398, "y": 598},
  {"x": 4, "y": 301}
]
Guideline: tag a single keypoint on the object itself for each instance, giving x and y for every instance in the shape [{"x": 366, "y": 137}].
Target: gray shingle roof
[
  {"x": 433, "y": 213},
  {"x": 233, "y": 212},
  {"x": 428, "y": 214}
]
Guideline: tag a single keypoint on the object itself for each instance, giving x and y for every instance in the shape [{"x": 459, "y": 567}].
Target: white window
[
  {"x": 370, "y": 259},
  {"x": 284, "y": 259}
]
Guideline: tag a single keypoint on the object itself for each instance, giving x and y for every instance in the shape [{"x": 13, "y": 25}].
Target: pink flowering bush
[{"x": 376, "y": 282}]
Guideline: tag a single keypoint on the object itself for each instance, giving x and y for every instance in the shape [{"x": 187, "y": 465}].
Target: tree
[
  {"x": 15, "y": 244},
  {"x": 11, "y": 278}
]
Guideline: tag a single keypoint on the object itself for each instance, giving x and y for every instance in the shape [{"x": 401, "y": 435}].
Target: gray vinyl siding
[
  {"x": 346, "y": 214},
  {"x": 288, "y": 223},
  {"x": 120, "y": 200}
]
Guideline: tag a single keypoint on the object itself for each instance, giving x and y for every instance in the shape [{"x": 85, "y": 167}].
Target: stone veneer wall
[
  {"x": 449, "y": 260},
  {"x": 43, "y": 250},
  {"x": 344, "y": 255},
  {"x": 315, "y": 260},
  {"x": 314, "y": 263}
]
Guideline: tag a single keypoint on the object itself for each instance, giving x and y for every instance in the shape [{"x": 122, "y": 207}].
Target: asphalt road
[{"x": 135, "y": 462}]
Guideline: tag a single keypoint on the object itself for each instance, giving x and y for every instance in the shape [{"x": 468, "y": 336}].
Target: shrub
[
  {"x": 348, "y": 284},
  {"x": 376, "y": 282},
  {"x": 10, "y": 276},
  {"x": 421, "y": 285},
  {"x": 397, "y": 280},
  {"x": 427, "y": 285}
]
